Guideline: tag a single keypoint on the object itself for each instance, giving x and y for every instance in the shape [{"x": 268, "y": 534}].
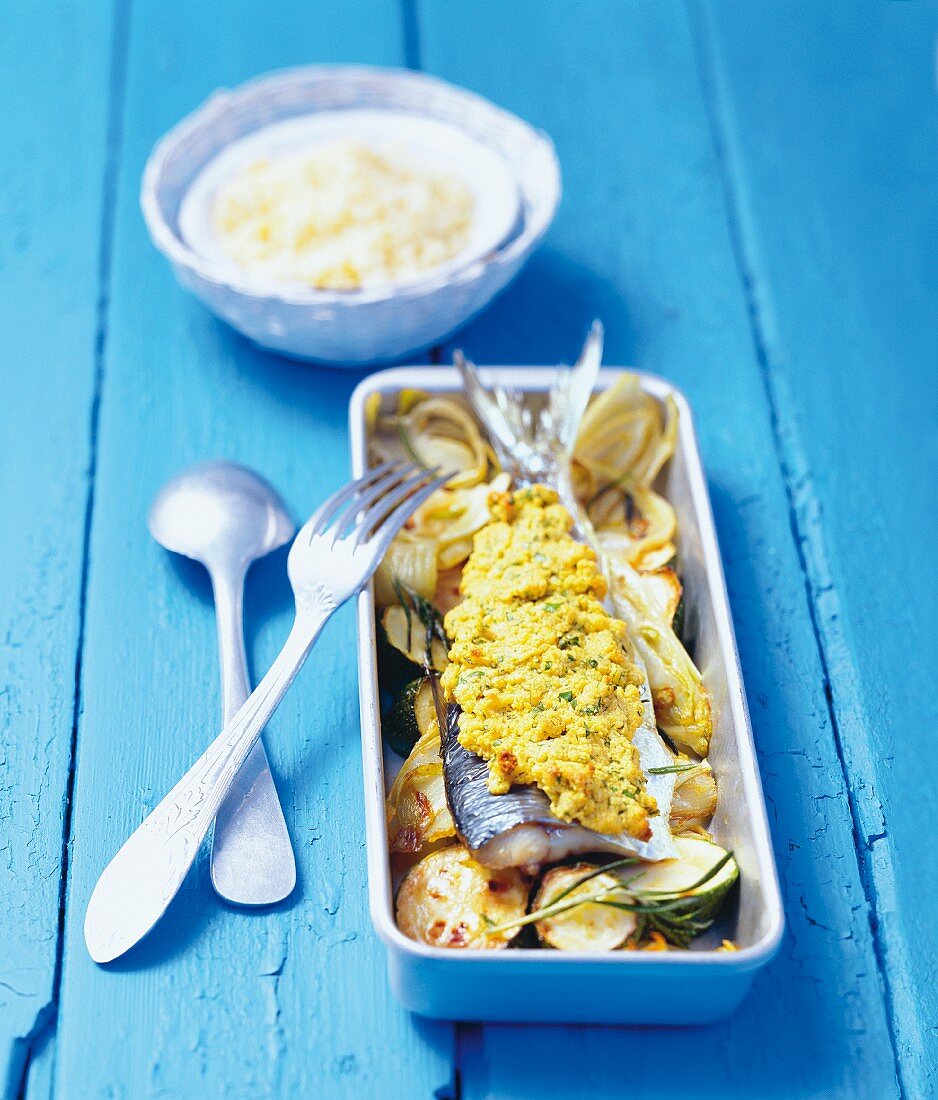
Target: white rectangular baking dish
[{"x": 679, "y": 987}]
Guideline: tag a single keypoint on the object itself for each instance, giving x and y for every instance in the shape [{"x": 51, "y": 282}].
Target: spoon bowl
[{"x": 220, "y": 514}]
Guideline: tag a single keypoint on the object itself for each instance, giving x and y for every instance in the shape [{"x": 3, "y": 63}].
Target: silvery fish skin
[{"x": 517, "y": 829}]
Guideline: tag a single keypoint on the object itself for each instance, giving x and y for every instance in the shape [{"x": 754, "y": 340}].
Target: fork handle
[{"x": 138, "y": 884}]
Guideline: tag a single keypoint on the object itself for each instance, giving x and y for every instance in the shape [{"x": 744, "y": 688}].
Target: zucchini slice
[
  {"x": 694, "y": 909},
  {"x": 399, "y": 725},
  {"x": 424, "y": 708},
  {"x": 410, "y": 716},
  {"x": 407, "y": 634},
  {"x": 588, "y": 927},
  {"x": 450, "y": 900},
  {"x": 695, "y": 858}
]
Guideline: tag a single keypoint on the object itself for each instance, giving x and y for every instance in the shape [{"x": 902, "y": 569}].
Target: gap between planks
[
  {"x": 46, "y": 1024},
  {"x": 410, "y": 34},
  {"x": 796, "y": 474}
]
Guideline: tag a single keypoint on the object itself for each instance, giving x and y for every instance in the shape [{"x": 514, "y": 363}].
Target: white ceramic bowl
[{"x": 376, "y": 324}]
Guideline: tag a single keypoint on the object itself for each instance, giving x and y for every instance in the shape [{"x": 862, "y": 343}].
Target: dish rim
[
  {"x": 379, "y": 876},
  {"x": 172, "y": 245}
]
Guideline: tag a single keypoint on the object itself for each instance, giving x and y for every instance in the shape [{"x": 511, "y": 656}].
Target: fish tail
[{"x": 536, "y": 446}]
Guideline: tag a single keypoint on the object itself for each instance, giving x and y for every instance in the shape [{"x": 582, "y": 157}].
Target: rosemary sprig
[
  {"x": 702, "y": 881},
  {"x": 672, "y": 768},
  {"x": 406, "y": 442},
  {"x": 606, "y": 868},
  {"x": 673, "y": 915},
  {"x": 552, "y": 910}
]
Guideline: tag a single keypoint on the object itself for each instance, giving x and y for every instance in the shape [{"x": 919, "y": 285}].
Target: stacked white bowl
[{"x": 511, "y": 168}]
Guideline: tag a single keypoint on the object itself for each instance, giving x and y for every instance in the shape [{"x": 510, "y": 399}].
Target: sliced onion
[
  {"x": 439, "y": 432},
  {"x": 627, "y": 430},
  {"x": 682, "y": 706},
  {"x": 417, "y": 811},
  {"x": 410, "y": 560},
  {"x": 695, "y": 796},
  {"x": 645, "y": 542},
  {"x": 662, "y": 591},
  {"x": 454, "y": 515}
]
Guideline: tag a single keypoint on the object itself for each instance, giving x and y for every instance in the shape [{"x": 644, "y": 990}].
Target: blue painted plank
[
  {"x": 51, "y": 57},
  {"x": 220, "y": 1002},
  {"x": 828, "y": 118},
  {"x": 643, "y": 240}
]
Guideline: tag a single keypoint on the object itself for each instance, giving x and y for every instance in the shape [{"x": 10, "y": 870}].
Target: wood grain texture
[
  {"x": 219, "y": 1002},
  {"x": 50, "y": 207},
  {"x": 643, "y": 239},
  {"x": 832, "y": 171}
]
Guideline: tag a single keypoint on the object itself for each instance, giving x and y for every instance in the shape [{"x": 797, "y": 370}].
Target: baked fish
[{"x": 535, "y": 816}]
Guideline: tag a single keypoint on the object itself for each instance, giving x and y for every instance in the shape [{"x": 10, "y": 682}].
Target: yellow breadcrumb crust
[{"x": 548, "y": 694}]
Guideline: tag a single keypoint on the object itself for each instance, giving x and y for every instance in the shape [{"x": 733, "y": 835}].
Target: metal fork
[{"x": 333, "y": 557}]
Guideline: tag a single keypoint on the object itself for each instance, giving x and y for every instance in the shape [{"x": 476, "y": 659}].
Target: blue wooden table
[{"x": 750, "y": 197}]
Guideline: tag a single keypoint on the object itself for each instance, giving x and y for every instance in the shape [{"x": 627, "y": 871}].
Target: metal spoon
[{"x": 225, "y": 516}]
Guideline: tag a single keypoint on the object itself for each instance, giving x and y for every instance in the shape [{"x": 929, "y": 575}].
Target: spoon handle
[
  {"x": 252, "y": 858},
  {"x": 138, "y": 884}
]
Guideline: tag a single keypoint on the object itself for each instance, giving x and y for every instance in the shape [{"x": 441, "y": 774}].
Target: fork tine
[
  {"x": 383, "y": 536},
  {"x": 389, "y": 471},
  {"x": 387, "y": 492},
  {"x": 369, "y": 520}
]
